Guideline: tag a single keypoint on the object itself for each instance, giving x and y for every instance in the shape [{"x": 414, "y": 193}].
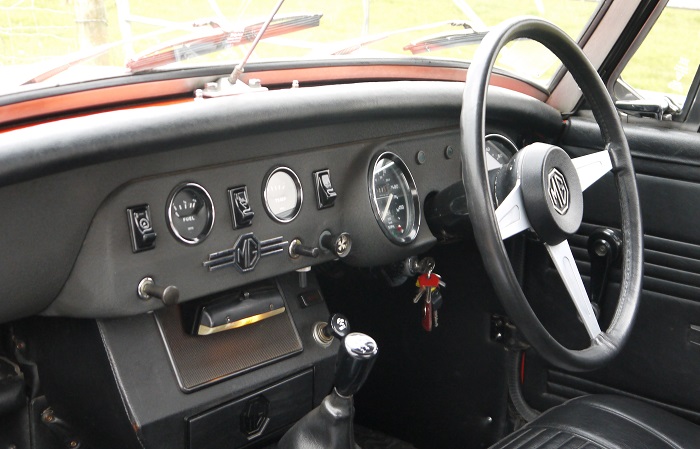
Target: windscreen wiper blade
[
  {"x": 441, "y": 41},
  {"x": 350, "y": 46},
  {"x": 218, "y": 38},
  {"x": 60, "y": 65}
]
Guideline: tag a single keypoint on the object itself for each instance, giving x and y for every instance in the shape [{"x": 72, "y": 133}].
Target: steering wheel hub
[{"x": 552, "y": 194}]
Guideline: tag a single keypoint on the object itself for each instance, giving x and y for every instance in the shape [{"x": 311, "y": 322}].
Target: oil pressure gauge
[
  {"x": 190, "y": 213},
  {"x": 394, "y": 198}
]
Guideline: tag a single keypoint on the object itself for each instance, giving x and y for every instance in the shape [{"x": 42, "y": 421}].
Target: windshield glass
[{"x": 52, "y": 42}]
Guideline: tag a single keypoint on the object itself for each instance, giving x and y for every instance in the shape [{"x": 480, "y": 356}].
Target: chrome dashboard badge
[{"x": 558, "y": 191}]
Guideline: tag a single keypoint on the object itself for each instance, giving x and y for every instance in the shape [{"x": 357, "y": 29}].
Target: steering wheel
[{"x": 541, "y": 189}]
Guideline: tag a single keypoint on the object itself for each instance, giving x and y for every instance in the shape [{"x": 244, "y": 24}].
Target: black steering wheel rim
[{"x": 481, "y": 205}]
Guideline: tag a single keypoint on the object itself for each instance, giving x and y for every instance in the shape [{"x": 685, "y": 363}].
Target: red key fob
[{"x": 425, "y": 281}]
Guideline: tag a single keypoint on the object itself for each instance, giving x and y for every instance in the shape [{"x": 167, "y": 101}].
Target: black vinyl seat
[{"x": 605, "y": 422}]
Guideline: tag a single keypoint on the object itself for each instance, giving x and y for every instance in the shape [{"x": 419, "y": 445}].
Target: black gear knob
[{"x": 355, "y": 359}]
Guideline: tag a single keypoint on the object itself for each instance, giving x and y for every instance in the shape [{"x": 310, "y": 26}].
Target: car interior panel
[{"x": 354, "y": 249}]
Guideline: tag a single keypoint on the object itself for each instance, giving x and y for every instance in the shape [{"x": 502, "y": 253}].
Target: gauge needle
[{"x": 386, "y": 208}]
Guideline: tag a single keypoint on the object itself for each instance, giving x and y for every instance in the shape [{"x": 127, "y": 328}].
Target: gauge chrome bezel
[
  {"x": 208, "y": 204},
  {"x": 504, "y": 140},
  {"x": 300, "y": 194},
  {"x": 415, "y": 199}
]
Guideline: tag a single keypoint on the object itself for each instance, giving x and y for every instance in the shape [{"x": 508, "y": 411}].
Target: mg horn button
[{"x": 552, "y": 193}]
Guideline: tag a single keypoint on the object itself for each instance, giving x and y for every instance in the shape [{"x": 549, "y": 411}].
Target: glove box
[{"x": 255, "y": 417}]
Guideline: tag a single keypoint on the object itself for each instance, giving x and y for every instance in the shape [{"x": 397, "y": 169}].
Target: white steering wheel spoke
[
  {"x": 510, "y": 214},
  {"x": 592, "y": 167},
  {"x": 566, "y": 266}
]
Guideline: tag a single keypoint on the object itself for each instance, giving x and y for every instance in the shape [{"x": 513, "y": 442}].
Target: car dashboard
[{"x": 209, "y": 202}]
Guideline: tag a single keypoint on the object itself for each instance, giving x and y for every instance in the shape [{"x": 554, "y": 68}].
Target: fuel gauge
[{"x": 190, "y": 213}]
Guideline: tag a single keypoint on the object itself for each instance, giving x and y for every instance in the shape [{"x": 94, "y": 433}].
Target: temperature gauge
[
  {"x": 190, "y": 213},
  {"x": 282, "y": 194}
]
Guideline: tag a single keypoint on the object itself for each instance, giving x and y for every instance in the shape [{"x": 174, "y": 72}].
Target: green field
[
  {"x": 33, "y": 30},
  {"x": 671, "y": 52}
]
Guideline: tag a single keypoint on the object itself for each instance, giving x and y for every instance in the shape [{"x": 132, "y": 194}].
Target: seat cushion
[{"x": 602, "y": 422}]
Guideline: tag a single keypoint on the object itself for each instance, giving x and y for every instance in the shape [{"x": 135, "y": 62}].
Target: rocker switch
[
  {"x": 241, "y": 212},
  {"x": 143, "y": 237},
  {"x": 325, "y": 194}
]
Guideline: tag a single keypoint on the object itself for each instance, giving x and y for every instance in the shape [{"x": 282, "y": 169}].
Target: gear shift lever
[
  {"x": 330, "y": 424},
  {"x": 355, "y": 360}
]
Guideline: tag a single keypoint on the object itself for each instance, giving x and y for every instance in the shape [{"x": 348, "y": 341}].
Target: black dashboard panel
[
  {"x": 75, "y": 193},
  {"x": 79, "y": 176},
  {"x": 108, "y": 264}
]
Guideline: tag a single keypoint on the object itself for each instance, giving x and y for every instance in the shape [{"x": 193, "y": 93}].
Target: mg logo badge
[
  {"x": 558, "y": 191},
  {"x": 246, "y": 252}
]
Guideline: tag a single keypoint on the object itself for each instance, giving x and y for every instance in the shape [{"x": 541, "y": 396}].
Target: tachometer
[
  {"x": 190, "y": 213},
  {"x": 394, "y": 198},
  {"x": 499, "y": 150}
]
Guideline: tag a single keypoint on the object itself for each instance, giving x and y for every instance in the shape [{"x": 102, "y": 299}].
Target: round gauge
[
  {"x": 499, "y": 150},
  {"x": 282, "y": 194},
  {"x": 394, "y": 198},
  {"x": 190, "y": 213}
]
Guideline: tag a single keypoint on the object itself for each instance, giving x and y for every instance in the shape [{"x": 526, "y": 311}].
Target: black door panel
[
  {"x": 661, "y": 361},
  {"x": 660, "y": 151},
  {"x": 669, "y": 207}
]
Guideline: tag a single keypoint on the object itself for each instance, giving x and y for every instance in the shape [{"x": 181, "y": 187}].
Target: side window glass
[{"x": 664, "y": 66}]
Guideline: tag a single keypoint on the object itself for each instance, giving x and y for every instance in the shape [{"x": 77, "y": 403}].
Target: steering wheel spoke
[
  {"x": 592, "y": 167},
  {"x": 566, "y": 267},
  {"x": 510, "y": 214}
]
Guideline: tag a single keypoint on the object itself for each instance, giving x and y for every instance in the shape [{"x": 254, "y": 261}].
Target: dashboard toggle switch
[
  {"x": 338, "y": 244},
  {"x": 241, "y": 212},
  {"x": 143, "y": 237},
  {"x": 148, "y": 289},
  {"x": 296, "y": 249},
  {"x": 325, "y": 194}
]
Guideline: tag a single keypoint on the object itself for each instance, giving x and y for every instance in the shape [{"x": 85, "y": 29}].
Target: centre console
[{"x": 153, "y": 381}]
